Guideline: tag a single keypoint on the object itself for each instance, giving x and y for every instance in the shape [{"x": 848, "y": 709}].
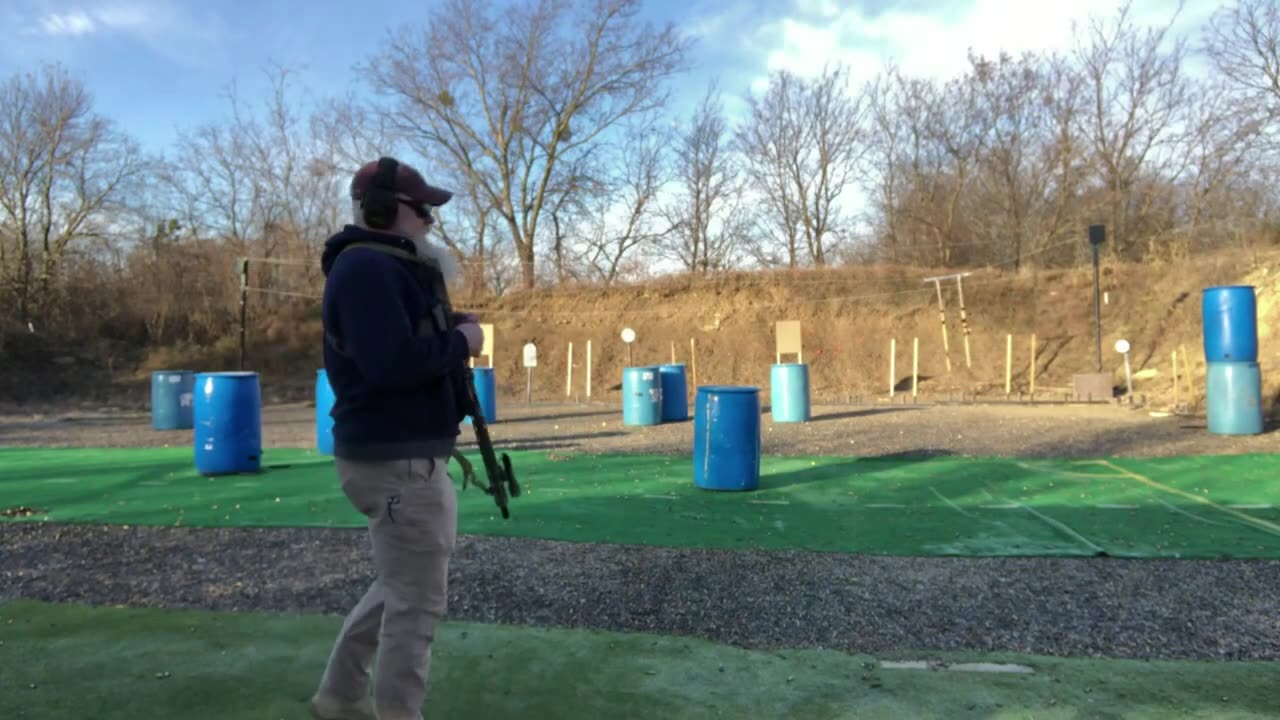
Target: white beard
[{"x": 448, "y": 263}]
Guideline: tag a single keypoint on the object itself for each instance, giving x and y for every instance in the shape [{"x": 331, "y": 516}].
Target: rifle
[{"x": 502, "y": 479}]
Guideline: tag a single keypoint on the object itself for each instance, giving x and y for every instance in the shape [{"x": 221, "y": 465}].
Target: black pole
[
  {"x": 1097, "y": 308},
  {"x": 1097, "y": 236},
  {"x": 244, "y": 307}
]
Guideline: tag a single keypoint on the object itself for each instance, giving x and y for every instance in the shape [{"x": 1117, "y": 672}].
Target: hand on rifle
[{"x": 471, "y": 329}]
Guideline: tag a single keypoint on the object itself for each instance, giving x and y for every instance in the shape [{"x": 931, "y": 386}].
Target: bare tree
[
  {"x": 1243, "y": 42},
  {"x": 708, "y": 215},
  {"x": 63, "y": 170},
  {"x": 958, "y": 131},
  {"x": 883, "y": 170},
  {"x": 1066, "y": 152},
  {"x": 512, "y": 94},
  {"x": 269, "y": 182},
  {"x": 941, "y": 137},
  {"x": 571, "y": 197},
  {"x": 1220, "y": 154},
  {"x": 930, "y": 167},
  {"x": 803, "y": 143},
  {"x": 1136, "y": 92},
  {"x": 1015, "y": 189},
  {"x": 626, "y": 217},
  {"x": 466, "y": 227},
  {"x": 350, "y": 133}
]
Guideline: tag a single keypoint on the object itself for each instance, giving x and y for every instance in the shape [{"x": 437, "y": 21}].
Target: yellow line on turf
[{"x": 1245, "y": 517}]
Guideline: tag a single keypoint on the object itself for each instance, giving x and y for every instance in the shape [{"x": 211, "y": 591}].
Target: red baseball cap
[{"x": 408, "y": 182}]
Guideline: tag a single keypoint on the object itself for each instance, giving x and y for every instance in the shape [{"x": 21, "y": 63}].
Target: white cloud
[
  {"x": 708, "y": 25},
  {"x": 821, "y": 8},
  {"x": 191, "y": 35},
  {"x": 132, "y": 18},
  {"x": 935, "y": 43},
  {"x": 126, "y": 16},
  {"x": 73, "y": 24}
]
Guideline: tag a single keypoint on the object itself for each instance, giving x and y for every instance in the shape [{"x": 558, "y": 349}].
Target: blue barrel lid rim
[
  {"x": 724, "y": 389},
  {"x": 230, "y": 373}
]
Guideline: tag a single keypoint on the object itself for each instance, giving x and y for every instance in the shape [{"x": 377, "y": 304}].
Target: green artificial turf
[
  {"x": 1176, "y": 507},
  {"x": 69, "y": 661}
]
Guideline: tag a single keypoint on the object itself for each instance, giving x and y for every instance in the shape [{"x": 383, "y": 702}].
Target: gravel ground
[
  {"x": 1134, "y": 609},
  {"x": 1103, "y": 607}
]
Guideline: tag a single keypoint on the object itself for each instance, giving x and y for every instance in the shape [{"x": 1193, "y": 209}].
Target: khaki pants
[{"x": 412, "y": 510}]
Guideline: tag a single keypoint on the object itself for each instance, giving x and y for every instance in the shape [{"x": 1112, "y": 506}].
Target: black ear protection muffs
[{"x": 379, "y": 204}]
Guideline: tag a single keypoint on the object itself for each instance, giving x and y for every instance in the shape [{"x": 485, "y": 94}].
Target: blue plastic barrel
[
  {"x": 641, "y": 396},
  {"x": 1230, "y": 318},
  {"x": 228, "y": 423},
  {"x": 171, "y": 399},
  {"x": 1234, "y": 398},
  {"x": 675, "y": 393},
  {"x": 789, "y": 392},
  {"x": 726, "y": 438},
  {"x": 486, "y": 386},
  {"x": 324, "y": 406}
]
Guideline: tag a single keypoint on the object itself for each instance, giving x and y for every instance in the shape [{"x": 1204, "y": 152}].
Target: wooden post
[
  {"x": 568, "y": 385},
  {"x": 1033, "y": 368},
  {"x": 893, "y": 359},
  {"x": 964, "y": 322},
  {"x": 693, "y": 361},
  {"x": 1186, "y": 366},
  {"x": 1008, "y": 366},
  {"x": 588, "y": 371},
  {"x": 942, "y": 313},
  {"x": 673, "y": 352},
  {"x": 915, "y": 367}
]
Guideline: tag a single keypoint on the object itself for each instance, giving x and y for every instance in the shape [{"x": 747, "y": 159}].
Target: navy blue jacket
[{"x": 396, "y": 375}]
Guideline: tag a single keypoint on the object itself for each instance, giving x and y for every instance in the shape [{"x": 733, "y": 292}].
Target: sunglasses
[{"x": 422, "y": 210}]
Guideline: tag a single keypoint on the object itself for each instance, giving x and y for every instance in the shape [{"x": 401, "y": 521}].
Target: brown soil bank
[{"x": 849, "y": 317}]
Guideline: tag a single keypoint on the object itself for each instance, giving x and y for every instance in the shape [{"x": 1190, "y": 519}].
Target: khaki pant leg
[
  {"x": 347, "y": 674},
  {"x": 414, "y": 532}
]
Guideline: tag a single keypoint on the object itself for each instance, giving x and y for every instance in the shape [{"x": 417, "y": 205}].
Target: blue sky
[{"x": 158, "y": 65}]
